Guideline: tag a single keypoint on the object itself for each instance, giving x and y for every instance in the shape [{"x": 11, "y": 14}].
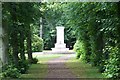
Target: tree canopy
[{"x": 94, "y": 26}]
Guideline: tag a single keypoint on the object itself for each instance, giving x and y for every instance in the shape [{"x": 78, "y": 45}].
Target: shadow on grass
[
  {"x": 36, "y": 71},
  {"x": 39, "y": 70},
  {"x": 83, "y": 70},
  {"x": 77, "y": 67}
]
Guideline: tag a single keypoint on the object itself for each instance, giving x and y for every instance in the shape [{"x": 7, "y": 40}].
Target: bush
[
  {"x": 10, "y": 71},
  {"x": 78, "y": 48},
  {"x": 23, "y": 66},
  {"x": 37, "y": 44},
  {"x": 112, "y": 67},
  {"x": 35, "y": 60}
]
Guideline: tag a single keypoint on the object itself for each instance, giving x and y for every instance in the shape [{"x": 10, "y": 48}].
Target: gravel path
[{"x": 58, "y": 70}]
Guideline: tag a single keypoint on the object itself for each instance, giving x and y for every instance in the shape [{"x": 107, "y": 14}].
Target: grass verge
[
  {"x": 83, "y": 70},
  {"x": 39, "y": 71}
]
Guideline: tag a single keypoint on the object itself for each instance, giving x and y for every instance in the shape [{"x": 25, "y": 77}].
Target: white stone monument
[{"x": 60, "y": 46}]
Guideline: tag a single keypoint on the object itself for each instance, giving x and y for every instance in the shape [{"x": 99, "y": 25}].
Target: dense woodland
[{"x": 93, "y": 29}]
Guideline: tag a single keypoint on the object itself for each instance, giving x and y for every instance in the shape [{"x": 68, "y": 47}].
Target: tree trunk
[
  {"x": 15, "y": 48},
  {"x": 3, "y": 41},
  {"x": 100, "y": 46},
  {"x": 14, "y": 34},
  {"x": 118, "y": 30},
  {"x": 41, "y": 27},
  {"x": 22, "y": 48},
  {"x": 29, "y": 47}
]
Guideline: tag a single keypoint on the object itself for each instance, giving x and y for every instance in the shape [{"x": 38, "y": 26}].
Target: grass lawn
[
  {"x": 83, "y": 70},
  {"x": 39, "y": 70}
]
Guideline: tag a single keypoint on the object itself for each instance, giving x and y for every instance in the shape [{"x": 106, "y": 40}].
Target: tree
[{"x": 19, "y": 29}]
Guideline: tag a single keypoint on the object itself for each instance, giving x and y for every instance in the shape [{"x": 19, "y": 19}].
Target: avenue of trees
[
  {"x": 20, "y": 38},
  {"x": 95, "y": 27}
]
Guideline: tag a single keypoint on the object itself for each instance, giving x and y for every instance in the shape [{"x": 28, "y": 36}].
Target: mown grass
[
  {"x": 39, "y": 70},
  {"x": 83, "y": 70}
]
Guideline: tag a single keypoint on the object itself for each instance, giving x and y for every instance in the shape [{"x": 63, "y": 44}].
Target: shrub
[
  {"x": 35, "y": 60},
  {"x": 78, "y": 48},
  {"x": 37, "y": 44},
  {"x": 112, "y": 67},
  {"x": 10, "y": 71},
  {"x": 23, "y": 66}
]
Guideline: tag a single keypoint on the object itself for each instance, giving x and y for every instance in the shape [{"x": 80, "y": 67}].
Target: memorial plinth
[{"x": 60, "y": 45}]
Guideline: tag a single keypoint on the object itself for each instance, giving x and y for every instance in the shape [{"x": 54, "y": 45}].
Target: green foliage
[
  {"x": 54, "y": 15},
  {"x": 10, "y": 71},
  {"x": 17, "y": 19},
  {"x": 96, "y": 25},
  {"x": 112, "y": 67},
  {"x": 78, "y": 48},
  {"x": 23, "y": 66},
  {"x": 37, "y": 44},
  {"x": 35, "y": 60}
]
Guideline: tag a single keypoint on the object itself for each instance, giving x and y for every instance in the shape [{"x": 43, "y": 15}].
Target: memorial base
[{"x": 60, "y": 48}]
